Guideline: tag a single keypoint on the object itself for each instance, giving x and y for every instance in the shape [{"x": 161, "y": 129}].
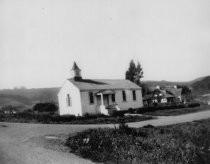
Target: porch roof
[{"x": 105, "y": 92}]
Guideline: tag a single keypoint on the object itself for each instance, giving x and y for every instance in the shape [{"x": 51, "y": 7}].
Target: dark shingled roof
[
  {"x": 101, "y": 84},
  {"x": 175, "y": 91}
]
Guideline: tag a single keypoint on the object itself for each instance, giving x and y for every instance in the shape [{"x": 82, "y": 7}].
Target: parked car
[{"x": 112, "y": 108}]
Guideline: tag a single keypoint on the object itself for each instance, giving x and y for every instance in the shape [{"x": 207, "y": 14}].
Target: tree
[
  {"x": 138, "y": 74},
  {"x": 134, "y": 73},
  {"x": 145, "y": 89},
  {"x": 130, "y": 73},
  {"x": 185, "y": 89},
  {"x": 186, "y": 92}
]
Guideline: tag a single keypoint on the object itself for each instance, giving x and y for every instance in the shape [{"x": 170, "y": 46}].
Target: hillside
[
  {"x": 19, "y": 97},
  {"x": 202, "y": 86},
  {"x": 197, "y": 80},
  {"x": 199, "y": 86},
  {"x": 164, "y": 83}
]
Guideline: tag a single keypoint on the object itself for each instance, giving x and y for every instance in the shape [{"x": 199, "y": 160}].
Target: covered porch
[{"x": 105, "y": 101}]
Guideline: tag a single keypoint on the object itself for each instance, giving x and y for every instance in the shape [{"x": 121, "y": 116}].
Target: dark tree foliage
[
  {"x": 145, "y": 89},
  {"x": 185, "y": 89},
  {"x": 134, "y": 73},
  {"x": 138, "y": 74},
  {"x": 130, "y": 73},
  {"x": 186, "y": 92},
  {"x": 45, "y": 107}
]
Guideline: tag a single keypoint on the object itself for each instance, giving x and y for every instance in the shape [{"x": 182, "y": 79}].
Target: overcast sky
[{"x": 40, "y": 39}]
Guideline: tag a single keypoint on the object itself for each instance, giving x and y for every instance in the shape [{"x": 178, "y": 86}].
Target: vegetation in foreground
[
  {"x": 173, "y": 110},
  {"x": 183, "y": 143},
  {"x": 47, "y": 113}
]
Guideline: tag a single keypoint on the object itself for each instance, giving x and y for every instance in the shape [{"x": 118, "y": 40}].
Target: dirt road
[
  {"x": 22, "y": 143},
  {"x": 169, "y": 120}
]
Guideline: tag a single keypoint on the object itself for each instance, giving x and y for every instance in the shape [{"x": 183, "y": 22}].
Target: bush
[
  {"x": 119, "y": 113},
  {"x": 43, "y": 117},
  {"x": 187, "y": 143},
  {"x": 166, "y": 107},
  {"x": 191, "y": 105},
  {"x": 131, "y": 110},
  {"x": 93, "y": 116},
  {"x": 45, "y": 107}
]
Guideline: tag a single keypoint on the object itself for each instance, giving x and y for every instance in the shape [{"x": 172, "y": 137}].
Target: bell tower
[{"x": 76, "y": 72}]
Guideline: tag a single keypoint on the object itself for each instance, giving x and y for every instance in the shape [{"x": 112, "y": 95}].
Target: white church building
[{"x": 79, "y": 96}]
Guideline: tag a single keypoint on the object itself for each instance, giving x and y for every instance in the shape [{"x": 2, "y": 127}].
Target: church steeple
[{"x": 76, "y": 72}]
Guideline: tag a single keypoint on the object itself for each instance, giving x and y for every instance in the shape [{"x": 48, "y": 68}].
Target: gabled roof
[
  {"x": 169, "y": 95},
  {"x": 168, "y": 90},
  {"x": 175, "y": 91},
  {"x": 103, "y": 84},
  {"x": 75, "y": 67}
]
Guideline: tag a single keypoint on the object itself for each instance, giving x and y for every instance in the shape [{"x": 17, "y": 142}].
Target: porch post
[
  {"x": 102, "y": 108},
  {"x": 102, "y": 99}
]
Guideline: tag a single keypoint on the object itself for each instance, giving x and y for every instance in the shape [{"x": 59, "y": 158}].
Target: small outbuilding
[{"x": 206, "y": 98}]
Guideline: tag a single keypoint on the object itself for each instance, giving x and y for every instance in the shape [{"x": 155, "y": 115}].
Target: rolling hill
[
  {"x": 202, "y": 86},
  {"x": 21, "y": 97},
  {"x": 199, "y": 86},
  {"x": 164, "y": 83},
  {"x": 170, "y": 83}
]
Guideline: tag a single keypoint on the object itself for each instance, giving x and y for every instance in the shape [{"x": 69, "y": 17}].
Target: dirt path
[
  {"x": 169, "y": 120},
  {"x": 21, "y": 143}
]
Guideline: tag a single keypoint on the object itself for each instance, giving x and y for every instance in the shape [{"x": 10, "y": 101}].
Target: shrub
[
  {"x": 172, "y": 144},
  {"x": 45, "y": 107},
  {"x": 63, "y": 119},
  {"x": 9, "y": 109},
  {"x": 166, "y": 107},
  {"x": 131, "y": 110},
  {"x": 93, "y": 116},
  {"x": 191, "y": 105},
  {"x": 119, "y": 113},
  {"x": 45, "y": 117}
]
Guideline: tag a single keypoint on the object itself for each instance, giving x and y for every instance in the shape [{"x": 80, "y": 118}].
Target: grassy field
[
  {"x": 178, "y": 111},
  {"x": 182, "y": 143}
]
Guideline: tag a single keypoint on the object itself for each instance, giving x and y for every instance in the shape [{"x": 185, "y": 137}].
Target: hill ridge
[{"x": 31, "y": 96}]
